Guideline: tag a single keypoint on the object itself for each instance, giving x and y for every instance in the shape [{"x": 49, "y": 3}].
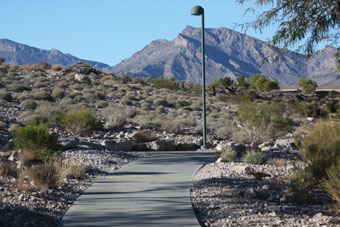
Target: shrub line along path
[{"x": 152, "y": 191}]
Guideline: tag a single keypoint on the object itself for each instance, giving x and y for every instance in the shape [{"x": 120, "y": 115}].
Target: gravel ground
[
  {"x": 223, "y": 194},
  {"x": 39, "y": 208}
]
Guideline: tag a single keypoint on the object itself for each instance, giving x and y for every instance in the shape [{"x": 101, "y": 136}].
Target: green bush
[
  {"x": 36, "y": 142},
  {"x": 255, "y": 158},
  {"x": 332, "y": 182},
  {"x": 228, "y": 155},
  {"x": 265, "y": 120},
  {"x": 321, "y": 148},
  {"x": 308, "y": 86},
  {"x": 261, "y": 83},
  {"x": 80, "y": 121}
]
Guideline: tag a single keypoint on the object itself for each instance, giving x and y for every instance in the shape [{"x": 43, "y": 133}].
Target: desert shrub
[
  {"x": 36, "y": 142},
  {"x": 42, "y": 95},
  {"x": 332, "y": 182},
  {"x": 18, "y": 87},
  {"x": 144, "y": 136},
  {"x": 265, "y": 120},
  {"x": 225, "y": 132},
  {"x": 239, "y": 97},
  {"x": 101, "y": 104},
  {"x": 179, "y": 125},
  {"x": 228, "y": 155},
  {"x": 255, "y": 158},
  {"x": 117, "y": 116},
  {"x": 80, "y": 121},
  {"x": 127, "y": 100},
  {"x": 45, "y": 65},
  {"x": 313, "y": 109},
  {"x": 58, "y": 93},
  {"x": 89, "y": 96},
  {"x": 149, "y": 120},
  {"x": 23, "y": 96},
  {"x": 56, "y": 67},
  {"x": 160, "y": 110},
  {"x": 29, "y": 104},
  {"x": 62, "y": 83},
  {"x": 27, "y": 117},
  {"x": 45, "y": 175},
  {"x": 5, "y": 95},
  {"x": 163, "y": 82},
  {"x": 46, "y": 110},
  {"x": 8, "y": 169},
  {"x": 145, "y": 106},
  {"x": 71, "y": 170},
  {"x": 321, "y": 148}
]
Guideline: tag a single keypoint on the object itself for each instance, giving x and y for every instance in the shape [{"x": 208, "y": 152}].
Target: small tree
[
  {"x": 242, "y": 83},
  {"x": 308, "y": 86},
  {"x": 226, "y": 83},
  {"x": 2, "y": 60},
  {"x": 261, "y": 83}
]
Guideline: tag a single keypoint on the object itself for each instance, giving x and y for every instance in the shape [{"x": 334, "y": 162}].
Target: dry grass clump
[
  {"x": 8, "y": 169},
  {"x": 56, "y": 67},
  {"x": 280, "y": 162},
  {"x": 107, "y": 77},
  {"x": 45, "y": 175},
  {"x": 117, "y": 116},
  {"x": 144, "y": 136},
  {"x": 70, "y": 170}
]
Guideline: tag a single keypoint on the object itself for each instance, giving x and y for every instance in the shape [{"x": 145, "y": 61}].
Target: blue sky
[{"x": 109, "y": 31}]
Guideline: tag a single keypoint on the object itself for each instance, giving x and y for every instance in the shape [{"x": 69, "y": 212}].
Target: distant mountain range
[
  {"x": 228, "y": 53},
  {"x": 20, "y": 54}
]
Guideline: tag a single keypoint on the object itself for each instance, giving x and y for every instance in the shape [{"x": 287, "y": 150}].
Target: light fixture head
[{"x": 197, "y": 10}]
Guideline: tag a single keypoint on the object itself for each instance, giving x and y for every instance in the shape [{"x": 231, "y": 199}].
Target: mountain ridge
[
  {"x": 20, "y": 54},
  {"x": 228, "y": 53}
]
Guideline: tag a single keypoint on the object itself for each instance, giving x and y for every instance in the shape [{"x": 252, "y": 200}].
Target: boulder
[
  {"x": 285, "y": 142},
  {"x": 140, "y": 147},
  {"x": 15, "y": 155},
  {"x": 162, "y": 145},
  {"x": 82, "y": 78},
  {"x": 120, "y": 144},
  {"x": 186, "y": 146}
]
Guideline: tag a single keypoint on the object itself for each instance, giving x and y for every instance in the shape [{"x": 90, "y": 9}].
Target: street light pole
[{"x": 199, "y": 11}]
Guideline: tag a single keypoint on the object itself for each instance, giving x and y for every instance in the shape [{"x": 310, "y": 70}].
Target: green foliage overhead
[
  {"x": 308, "y": 86},
  {"x": 260, "y": 83},
  {"x": 305, "y": 23}
]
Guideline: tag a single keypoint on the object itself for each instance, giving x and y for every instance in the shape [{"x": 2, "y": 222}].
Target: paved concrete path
[{"x": 152, "y": 191}]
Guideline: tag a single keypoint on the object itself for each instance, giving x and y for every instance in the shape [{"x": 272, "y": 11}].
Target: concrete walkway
[{"x": 152, "y": 191}]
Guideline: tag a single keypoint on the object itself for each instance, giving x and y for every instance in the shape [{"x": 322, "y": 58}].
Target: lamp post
[{"x": 199, "y": 11}]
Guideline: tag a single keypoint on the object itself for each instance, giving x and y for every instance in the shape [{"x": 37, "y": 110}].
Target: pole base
[{"x": 203, "y": 147}]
